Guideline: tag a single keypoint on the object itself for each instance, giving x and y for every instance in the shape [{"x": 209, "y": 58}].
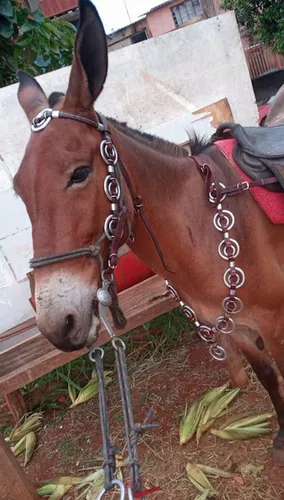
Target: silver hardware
[
  {"x": 225, "y": 324},
  {"x": 238, "y": 275},
  {"x": 229, "y": 249},
  {"x": 224, "y": 215},
  {"x": 232, "y": 305},
  {"x": 130, "y": 494},
  {"x": 110, "y": 226},
  {"x": 244, "y": 186},
  {"x": 217, "y": 352},
  {"x": 104, "y": 297},
  {"x": 92, "y": 352},
  {"x": 108, "y": 158},
  {"x": 206, "y": 333},
  {"x": 41, "y": 120},
  {"x": 115, "y": 482},
  {"x": 211, "y": 196},
  {"x": 111, "y": 182},
  {"x": 189, "y": 313},
  {"x": 115, "y": 341},
  {"x": 172, "y": 291},
  {"x": 55, "y": 113}
]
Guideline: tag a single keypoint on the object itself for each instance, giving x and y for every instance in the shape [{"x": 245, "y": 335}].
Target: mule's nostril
[{"x": 69, "y": 324}]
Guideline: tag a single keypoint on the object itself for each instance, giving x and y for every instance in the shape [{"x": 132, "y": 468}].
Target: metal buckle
[
  {"x": 41, "y": 120},
  {"x": 243, "y": 186}
]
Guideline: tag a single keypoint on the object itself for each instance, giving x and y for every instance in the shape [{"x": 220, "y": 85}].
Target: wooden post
[
  {"x": 13, "y": 476},
  {"x": 16, "y": 404}
]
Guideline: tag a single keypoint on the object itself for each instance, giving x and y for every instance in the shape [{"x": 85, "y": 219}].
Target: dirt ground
[{"x": 166, "y": 379}]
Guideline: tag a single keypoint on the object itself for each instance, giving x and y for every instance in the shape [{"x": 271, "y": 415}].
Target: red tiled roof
[{"x": 54, "y": 7}]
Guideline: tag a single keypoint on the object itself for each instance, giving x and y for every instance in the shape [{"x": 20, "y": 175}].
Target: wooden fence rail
[{"x": 261, "y": 59}]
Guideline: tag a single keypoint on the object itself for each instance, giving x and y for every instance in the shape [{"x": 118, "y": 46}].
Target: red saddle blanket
[{"x": 271, "y": 203}]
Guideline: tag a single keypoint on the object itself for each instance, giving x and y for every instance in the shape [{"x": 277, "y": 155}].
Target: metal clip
[{"x": 115, "y": 482}]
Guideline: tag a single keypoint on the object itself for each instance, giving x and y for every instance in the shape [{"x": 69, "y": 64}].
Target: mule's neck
[{"x": 170, "y": 188}]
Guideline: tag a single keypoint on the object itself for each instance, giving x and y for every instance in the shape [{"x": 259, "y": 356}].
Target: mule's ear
[
  {"x": 30, "y": 94},
  {"x": 89, "y": 67}
]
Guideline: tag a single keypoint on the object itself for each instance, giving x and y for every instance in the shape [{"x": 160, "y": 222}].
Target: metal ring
[
  {"x": 105, "y": 155},
  {"x": 92, "y": 352},
  {"x": 107, "y": 184},
  {"x": 115, "y": 482},
  {"x": 229, "y": 244},
  {"x": 206, "y": 333},
  {"x": 107, "y": 276},
  {"x": 228, "y": 323},
  {"x": 189, "y": 313},
  {"x": 229, "y": 220},
  {"x": 211, "y": 197},
  {"x": 235, "y": 301},
  {"x": 108, "y": 229},
  {"x": 217, "y": 352},
  {"x": 239, "y": 274},
  {"x": 130, "y": 495},
  {"x": 117, "y": 340},
  {"x": 172, "y": 291},
  {"x": 44, "y": 120}
]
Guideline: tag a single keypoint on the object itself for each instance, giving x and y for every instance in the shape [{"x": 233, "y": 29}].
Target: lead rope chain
[
  {"x": 233, "y": 277},
  {"x": 132, "y": 430}
]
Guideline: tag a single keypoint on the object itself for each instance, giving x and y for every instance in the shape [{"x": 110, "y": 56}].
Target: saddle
[{"x": 259, "y": 151}]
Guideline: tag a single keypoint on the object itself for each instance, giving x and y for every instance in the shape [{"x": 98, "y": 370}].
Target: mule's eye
[{"x": 79, "y": 175}]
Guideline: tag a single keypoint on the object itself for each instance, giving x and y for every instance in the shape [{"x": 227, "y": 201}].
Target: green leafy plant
[
  {"x": 263, "y": 18},
  {"x": 32, "y": 42}
]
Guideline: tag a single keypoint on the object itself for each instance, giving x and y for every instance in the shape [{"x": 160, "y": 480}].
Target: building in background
[{"x": 166, "y": 17}]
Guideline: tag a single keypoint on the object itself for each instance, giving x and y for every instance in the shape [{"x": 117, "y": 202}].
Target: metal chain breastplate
[{"x": 234, "y": 278}]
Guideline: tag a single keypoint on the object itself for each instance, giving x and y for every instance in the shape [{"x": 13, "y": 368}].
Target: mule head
[{"x": 61, "y": 180}]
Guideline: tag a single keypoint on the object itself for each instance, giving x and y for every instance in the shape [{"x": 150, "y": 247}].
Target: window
[
  {"x": 186, "y": 10},
  {"x": 139, "y": 37}
]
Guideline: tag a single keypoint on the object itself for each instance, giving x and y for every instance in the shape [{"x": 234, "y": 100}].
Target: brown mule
[{"x": 61, "y": 181}]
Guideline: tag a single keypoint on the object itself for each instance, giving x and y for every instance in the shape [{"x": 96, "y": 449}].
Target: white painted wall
[{"x": 149, "y": 84}]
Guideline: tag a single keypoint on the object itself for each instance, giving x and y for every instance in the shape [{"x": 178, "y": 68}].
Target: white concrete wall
[{"x": 149, "y": 84}]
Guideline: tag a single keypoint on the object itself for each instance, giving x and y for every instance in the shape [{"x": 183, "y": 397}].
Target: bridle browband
[{"x": 117, "y": 226}]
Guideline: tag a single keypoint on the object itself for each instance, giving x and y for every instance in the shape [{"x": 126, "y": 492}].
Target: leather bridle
[{"x": 117, "y": 226}]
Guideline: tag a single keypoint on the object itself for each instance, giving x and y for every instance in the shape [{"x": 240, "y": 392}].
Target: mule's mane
[{"x": 197, "y": 144}]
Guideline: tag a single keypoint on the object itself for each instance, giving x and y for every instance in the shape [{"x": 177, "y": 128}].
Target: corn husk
[
  {"x": 189, "y": 423},
  {"x": 58, "y": 486},
  {"x": 92, "y": 484},
  {"x": 90, "y": 390},
  {"x": 191, "y": 419},
  {"x": 72, "y": 393},
  {"x": 19, "y": 447},
  {"x": 242, "y": 433},
  {"x": 248, "y": 420},
  {"x": 240, "y": 427},
  {"x": 213, "y": 471},
  {"x": 30, "y": 446},
  {"x": 219, "y": 405},
  {"x": 56, "y": 491},
  {"x": 199, "y": 479},
  {"x": 28, "y": 423}
]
